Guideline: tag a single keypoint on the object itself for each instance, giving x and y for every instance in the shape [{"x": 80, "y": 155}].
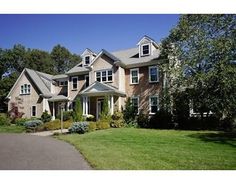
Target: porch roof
[
  {"x": 100, "y": 89},
  {"x": 58, "y": 98}
]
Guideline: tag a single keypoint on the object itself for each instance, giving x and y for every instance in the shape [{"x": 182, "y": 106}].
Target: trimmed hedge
[
  {"x": 54, "y": 125},
  {"x": 79, "y": 127}
]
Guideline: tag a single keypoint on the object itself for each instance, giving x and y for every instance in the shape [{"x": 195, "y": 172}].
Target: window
[
  {"x": 74, "y": 83},
  {"x": 104, "y": 76},
  {"x": 153, "y": 74},
  {"x": 86, "y": 81},
  {"x": 33, "y": 111},
  {"x": 87, "y": 60},
  {"x": 145, "y": 50},
  {"x": 134, "y": 76},
  {"x": 63, "y": 83},
  {"x": 153, "y": 102},
  {"x": 25, "y": 89},
  {"x": 135, "y": 103}
]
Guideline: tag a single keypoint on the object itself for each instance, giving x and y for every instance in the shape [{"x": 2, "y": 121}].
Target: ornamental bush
[
  {"x": 46, "y": 117},
  {"x": 79, "y": 127},
  {"x": 32, "y": 125},
  {"x": 4, "y": 120}
]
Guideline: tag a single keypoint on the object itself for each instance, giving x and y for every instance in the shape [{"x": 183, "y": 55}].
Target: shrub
[
  {"x": 90, "y": 117},
  {"x": 102, "y": 125},
  {"x": 54, "y": 125},
  {"x": 117, "y": 116},
  {"x": 67, "y": 115},
  {"x": 4, "y": 120},
  {"x": 92, "y": 126},
  {"x": 14, "y": 112},
  {"x": 78, "y": 113},
  {"x": 162, "y": 119},
  {"x": 117, "y": 123},
  {"x": 32, "y": 124},
  {"x": 79, "y": 127},
  {"x": 129, "y": 114},
  {"x": 21, "y": 121},
  {"x": 143, "y": 120},
  {"x": 45, "y": 117}
]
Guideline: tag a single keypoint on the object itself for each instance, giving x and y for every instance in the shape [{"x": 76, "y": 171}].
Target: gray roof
[
  {"x": 58, "y": 98},
  {"x": 78, "y": 69},
  {"x": 40, "y": 81},
  {"x": 131, "y": 57},
  {"x": 61, "y": 76},
  {"x": 98, "y": 88}
]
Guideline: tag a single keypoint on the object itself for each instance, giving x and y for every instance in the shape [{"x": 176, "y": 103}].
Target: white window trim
[
  {"x": 149, "y": 51},
  {"x": 130, "y": 72},
  {"x": 149, "y": 74},
  {"x": 135, "y": 97},
  {"x": 73, "y": 83},
  {"x": 32, "y": 110},
  {"x": 158, "y": 107},
  {"x": 100, "y": 71},
  {"x": 28, "y": 86},
  {"x": 85, "y": 60}
]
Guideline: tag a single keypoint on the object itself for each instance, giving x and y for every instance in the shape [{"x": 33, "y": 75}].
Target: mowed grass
[
  {"x": 130, "y": 148},
  {"x": 12, "y": 129}
]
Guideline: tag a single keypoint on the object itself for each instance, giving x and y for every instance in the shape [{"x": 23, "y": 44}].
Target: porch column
[
  {"x": 86, "y": 105},
  {"x": 83, "y": 105},
  {"x": 53, "y": 110},
  {"x": 112, "y": 104}
]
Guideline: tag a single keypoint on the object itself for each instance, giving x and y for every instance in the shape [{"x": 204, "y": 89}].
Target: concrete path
[
  {"x": 49, "y": 133},
  {"x": 27, "y": 152}
]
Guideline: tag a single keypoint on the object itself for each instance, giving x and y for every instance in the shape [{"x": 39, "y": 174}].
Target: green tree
[
  {"x": 105, "y": 114},
  {"x": 129, "y": 112},
  {"x": 203, "y": 46},
  {"x": 78, "y": 113},
  {"x": 63, "y": 59}
]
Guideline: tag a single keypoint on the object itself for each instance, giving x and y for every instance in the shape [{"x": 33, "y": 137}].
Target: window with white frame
[
  {"x": 153, "y": 74},
  {"x": 33, "y": 111},
  {"x": 145, "y": 49},
  {"x": 74, "y": 83},
  {"x": 25, "y": 89},
  {"x": 87, "y": 60},
  {"x": 134, "y": 76},
  {"x": 135, "y": 103},
  {"x": 86, "y": 80},
  {"x": 104, "y": 76},
  {"x": 153, "y": 104},
  {"x": 63, "y": 83}
]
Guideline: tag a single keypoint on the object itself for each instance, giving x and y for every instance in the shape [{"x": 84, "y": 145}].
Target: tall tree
[
  {"x": 63, "y": 59},
  {"x": 205, "y": 45}
]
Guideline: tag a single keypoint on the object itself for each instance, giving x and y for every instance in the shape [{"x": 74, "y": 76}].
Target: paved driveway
[{"x": 21, "y": 151}]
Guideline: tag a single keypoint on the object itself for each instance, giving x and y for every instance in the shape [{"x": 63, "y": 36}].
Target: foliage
[
  {"x": 129, "y": 114},
  {"x": 21, "y": 121},
  {"x": 54, "y": 125},
  {"x": 67, "y": 115},
  {"x": 105, "y": 114},
  {"x": 79, "y": 127},
  {"x": 12, "y": 129},
  {"x": 78, "y": 113},
  {"x": 102, "y": 125},
  {"x": 92, "y": 126},
  {"x": 162, "y": 120},
  {"x": 204, "y": 46},
  {"x": 143, "y": 120},
  {"x": 32, "y": 125},
  {"x": 14, "y": 112},
  {"x": 4, "y": 120},
  {"x": 117, "y": 120},
  {"x": 45, "y": 117},
  {"x": 63, "y": 59}
]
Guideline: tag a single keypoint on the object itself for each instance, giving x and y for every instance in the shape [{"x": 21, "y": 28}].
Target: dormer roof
[
  {"x": 88, "y": 51},
  {"x": 147, "y": 39}
]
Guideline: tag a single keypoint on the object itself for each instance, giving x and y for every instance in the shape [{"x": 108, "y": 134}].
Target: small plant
[
  {"x": 90, "y": 117},
  {"x": 21, "y": 121},
  {"x": 46, "y": 117},
  {"x": 14, "y": 112},
  {"x": 79, "y": 127},
  {"x": 32, "y": 125},
  {"x": 92, "y": 126},
  {"x": 102, "y": 125},
  {"x": 117, "y": 120},
  {"x": 4, "y": 120},
  {"x": 54, "y": 125}
]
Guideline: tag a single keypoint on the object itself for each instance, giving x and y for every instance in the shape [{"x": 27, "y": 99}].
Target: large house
[{"x": 126, "y": 73}]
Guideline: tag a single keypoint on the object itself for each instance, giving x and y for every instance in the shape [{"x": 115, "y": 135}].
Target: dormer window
[
  {"x": 145, "y": 49},
  {"x": 86, "y": 60}
]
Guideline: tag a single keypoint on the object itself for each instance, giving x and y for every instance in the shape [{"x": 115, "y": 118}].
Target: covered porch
[{"x": 94, "y": 95}]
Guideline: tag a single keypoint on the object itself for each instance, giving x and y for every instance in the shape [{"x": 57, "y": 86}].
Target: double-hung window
[
  {"x": 153, "y": 104},
  {"x": 25, "y": 89},
  {"x": 104, "y": 76},
  {"x": 87, "y": 60},
  {"x": 135, "y": 104},
  {"x": 153, "y": 74},
  {"x": 33, "y": 111},
  {"x": 74, "y": 83},
  {"x": 145, "y": 50},
  {"x": 134, "y": 76}
]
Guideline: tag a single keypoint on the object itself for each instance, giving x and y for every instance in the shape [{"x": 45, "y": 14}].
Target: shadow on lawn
[{"x": 218, "y": 137}]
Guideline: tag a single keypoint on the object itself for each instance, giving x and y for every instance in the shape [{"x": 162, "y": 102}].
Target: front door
[{"x": 99, "y": 107}]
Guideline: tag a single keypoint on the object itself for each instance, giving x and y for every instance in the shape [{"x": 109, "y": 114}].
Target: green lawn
[
  {"x": 12, "y": 129},
  {"x": 130, "y": 148}
]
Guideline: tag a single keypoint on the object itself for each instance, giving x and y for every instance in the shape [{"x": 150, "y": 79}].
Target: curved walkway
[{"x": 21, "y": 151}]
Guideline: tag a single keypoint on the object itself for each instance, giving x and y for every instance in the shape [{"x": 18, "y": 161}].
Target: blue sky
[{"x": 77, "y": 32}]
